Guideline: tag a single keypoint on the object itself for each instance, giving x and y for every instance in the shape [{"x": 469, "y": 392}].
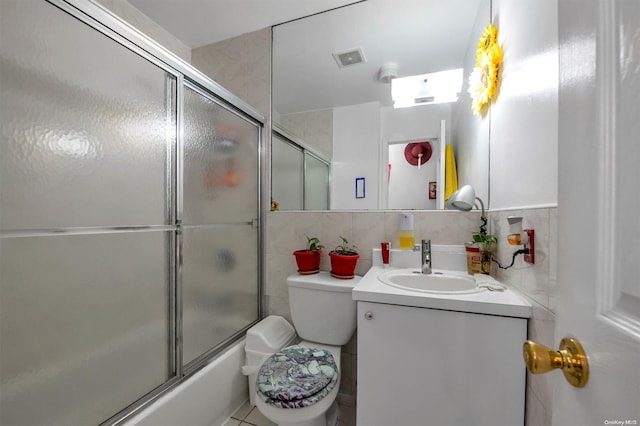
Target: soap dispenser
[{"x": 405, "y": 233}]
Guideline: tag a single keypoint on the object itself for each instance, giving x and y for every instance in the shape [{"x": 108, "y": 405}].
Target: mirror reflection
[{"x": 332, "y": 82}]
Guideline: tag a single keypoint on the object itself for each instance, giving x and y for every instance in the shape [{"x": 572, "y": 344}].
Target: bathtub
[{"x": 207, "y": 398}]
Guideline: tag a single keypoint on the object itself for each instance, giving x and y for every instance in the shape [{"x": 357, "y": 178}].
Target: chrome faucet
[{"x": 426, "y": 256}]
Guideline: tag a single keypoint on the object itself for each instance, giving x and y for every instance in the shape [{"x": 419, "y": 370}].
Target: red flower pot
[
  {"x": 343, "y": 265},
  {"x": 308, "y": 261}
]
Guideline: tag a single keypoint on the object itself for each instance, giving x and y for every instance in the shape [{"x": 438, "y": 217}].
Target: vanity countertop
[{"x": 507, "y": 303}]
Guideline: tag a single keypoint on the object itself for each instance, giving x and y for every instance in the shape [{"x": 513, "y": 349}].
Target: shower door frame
[{"x": 102, "y": 20}]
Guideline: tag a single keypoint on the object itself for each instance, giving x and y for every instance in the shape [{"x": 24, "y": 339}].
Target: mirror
[{"x": 344, "y": 115}]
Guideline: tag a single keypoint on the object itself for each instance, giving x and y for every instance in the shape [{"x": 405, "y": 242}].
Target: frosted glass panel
[
  {"x": 316, "y": 184},
  {"x": 287, "y": 171},
  {"x": 83, "y": 325},
  {"x": 84, "y": 125},
  {"x": 220, "y": 285},
  {"x": 220, "y": 163}
]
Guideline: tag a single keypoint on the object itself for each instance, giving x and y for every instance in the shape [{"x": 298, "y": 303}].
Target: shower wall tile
[
  {"x": 280, "y": 267},
  {"x": 258, "y": 81},
  {"x": 146, "y": 25},
  {"x": 223, "y": 62},
  {"x": 278, "y": 306},
  {"x": 241, "y": 65},
  {"x": 281, "y": 234},
  {"x": 314, "y": 128}
]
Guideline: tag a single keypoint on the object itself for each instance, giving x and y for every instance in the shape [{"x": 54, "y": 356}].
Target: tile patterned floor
[{"x": 247, "y": 415}]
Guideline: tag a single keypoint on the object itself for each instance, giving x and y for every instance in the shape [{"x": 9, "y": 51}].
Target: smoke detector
[
  {"x": 388, "y": 72},
  {"x": 349, "y": 57}
]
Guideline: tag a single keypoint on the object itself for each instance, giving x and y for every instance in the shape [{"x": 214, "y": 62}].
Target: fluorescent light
[{"x": 426, "y": 89}]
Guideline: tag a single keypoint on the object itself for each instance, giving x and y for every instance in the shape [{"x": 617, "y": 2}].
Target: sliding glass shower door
[
  {"x": 219, "y": 211},
  {"x": 128, "y": 219},
  {"x": 85, "y": 219}
]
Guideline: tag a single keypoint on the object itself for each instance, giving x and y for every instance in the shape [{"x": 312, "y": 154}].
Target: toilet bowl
[{"x": 298, "y": 385}]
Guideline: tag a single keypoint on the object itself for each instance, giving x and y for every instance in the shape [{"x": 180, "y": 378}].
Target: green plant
[
  {"x": 345, "y": 248},
  {"x": 313, "y": 244},
  {"x": 485, "y": 241}
]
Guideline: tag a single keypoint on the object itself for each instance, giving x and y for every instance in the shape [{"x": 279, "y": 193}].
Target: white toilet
[{"x": 324, "y": 316}]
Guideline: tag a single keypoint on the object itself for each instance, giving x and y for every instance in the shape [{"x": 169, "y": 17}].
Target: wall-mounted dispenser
[
  {"x": 515, "y": 230},
  {"x": 518, "y": 236},
  {"x": 405, "y": 234}
]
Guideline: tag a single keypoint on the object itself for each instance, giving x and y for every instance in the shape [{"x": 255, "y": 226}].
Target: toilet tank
[{"x": 322, "y": 309}]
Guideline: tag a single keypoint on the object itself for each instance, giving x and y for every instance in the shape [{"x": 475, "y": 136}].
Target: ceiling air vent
[{"x": 349, "y": 57}]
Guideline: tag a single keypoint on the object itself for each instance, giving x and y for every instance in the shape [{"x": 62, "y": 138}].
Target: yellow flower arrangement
[
  {"x": 488, "y": 38},
  {"x": 483, "y": 82}
]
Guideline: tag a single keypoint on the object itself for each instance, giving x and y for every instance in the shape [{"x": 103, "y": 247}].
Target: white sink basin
[{"x": 412, "y": 279}]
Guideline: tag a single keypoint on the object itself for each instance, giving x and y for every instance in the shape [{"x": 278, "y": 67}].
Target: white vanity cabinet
[{"x": 422, "y": 366}]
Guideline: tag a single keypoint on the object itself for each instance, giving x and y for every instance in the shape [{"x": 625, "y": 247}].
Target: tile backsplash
[{"x": 367, "y": 229}]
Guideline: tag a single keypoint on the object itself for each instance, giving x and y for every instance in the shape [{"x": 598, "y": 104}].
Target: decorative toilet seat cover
[{"x": 297, "y": 377}]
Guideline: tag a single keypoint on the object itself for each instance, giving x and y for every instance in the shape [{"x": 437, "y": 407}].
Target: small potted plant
[
  {"x": 487, "y": 245},
  {"x": 343, "y": 259},
  {"x": 308, "y": 260}
]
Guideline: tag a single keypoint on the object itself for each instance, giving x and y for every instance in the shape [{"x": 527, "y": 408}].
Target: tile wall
[
  {"x": 538, "y": 282},
  {"x": 241, "y": 65},
  {"x": 314, "y": 128},
  {"x": 286, "y": 233}
]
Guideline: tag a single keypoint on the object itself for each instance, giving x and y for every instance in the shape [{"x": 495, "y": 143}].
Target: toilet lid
[{"x": 296, "y": 377}]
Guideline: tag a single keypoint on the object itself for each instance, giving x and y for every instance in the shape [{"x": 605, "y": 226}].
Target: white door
[{"x": 599, "y": 209}]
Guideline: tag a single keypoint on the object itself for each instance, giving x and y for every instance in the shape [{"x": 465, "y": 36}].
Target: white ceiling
[
  {"x": 420, "y": 36},
  {"x": 200, "y": 22}
]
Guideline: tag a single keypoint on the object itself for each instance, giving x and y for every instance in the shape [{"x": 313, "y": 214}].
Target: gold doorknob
[{"x": 570, "y": 358}]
